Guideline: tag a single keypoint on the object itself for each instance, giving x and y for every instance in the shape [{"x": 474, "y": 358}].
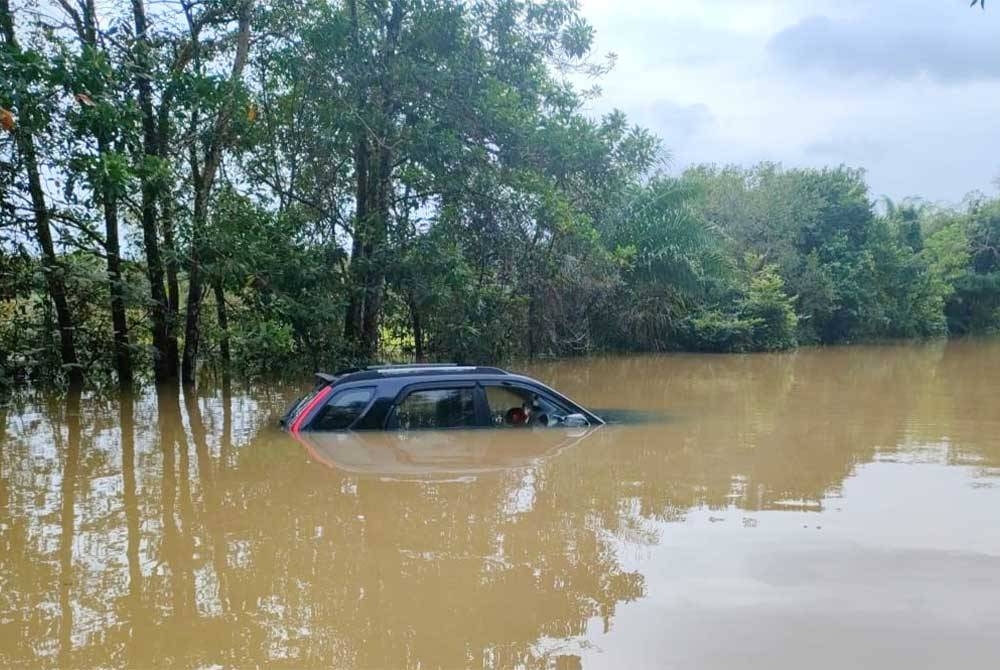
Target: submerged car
[{"x": 439, "y": 396}]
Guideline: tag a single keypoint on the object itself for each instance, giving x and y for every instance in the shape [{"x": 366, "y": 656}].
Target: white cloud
[{"x": 738, "y": 81}]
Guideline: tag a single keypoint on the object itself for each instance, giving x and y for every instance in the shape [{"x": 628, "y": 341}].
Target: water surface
[{"x": 825, "y": 509}]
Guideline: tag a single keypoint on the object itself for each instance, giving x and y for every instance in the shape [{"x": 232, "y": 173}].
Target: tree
[
  {"x": 89, "y": 76},
  {"x": 21, "y": 69},
  {"x": 204, "y": 164}
]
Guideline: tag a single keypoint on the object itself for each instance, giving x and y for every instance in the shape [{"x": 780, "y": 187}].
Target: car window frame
[
  {"x": 481, "y": 411},
  {"x": 340, "y": 392}
]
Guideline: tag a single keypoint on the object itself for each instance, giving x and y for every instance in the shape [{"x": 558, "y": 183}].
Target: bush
[
  {"x": 763, "y": 320},
  {"x": 770, "y": 312}
]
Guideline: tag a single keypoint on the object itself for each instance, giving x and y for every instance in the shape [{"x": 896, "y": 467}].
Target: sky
[{"x": 907, "y": 89}]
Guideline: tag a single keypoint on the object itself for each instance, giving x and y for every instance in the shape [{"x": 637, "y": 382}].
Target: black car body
[{"x": 443, "y": 396}]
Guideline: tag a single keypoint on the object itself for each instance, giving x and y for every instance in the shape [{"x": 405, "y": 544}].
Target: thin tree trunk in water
[
  {"x": 173, "y": 289},
  {"x": 192, "y": 330},
  {"x": 53, "y": 269},
  {"x": 171, "y": 259},
  {"x": 162, "y": 371},
  {"x": 220, "y": 311},
  {"x": 202, "y": 192},
  {"x": 123, "y": 355}
]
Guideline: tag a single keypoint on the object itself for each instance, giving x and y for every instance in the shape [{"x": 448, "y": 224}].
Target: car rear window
[{"x": 342, "y": 409}]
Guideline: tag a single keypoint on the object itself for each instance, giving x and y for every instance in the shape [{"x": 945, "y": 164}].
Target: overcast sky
[{"x": 907, "y": 89}]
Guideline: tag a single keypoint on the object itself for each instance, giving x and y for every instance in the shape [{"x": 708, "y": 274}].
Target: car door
[{"x": 445, "y": 405}]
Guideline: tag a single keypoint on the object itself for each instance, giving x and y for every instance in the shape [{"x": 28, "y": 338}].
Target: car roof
[{"x": 404, "y": 371}]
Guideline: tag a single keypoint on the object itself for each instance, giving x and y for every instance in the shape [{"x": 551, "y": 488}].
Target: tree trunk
[
  {"x": 192, "y": 330},
  {"x": 171, "y": 257},
  {"x": 203, "y": 183},
  {"x": 418, "y": 331},
  {"x": 374, "y": 271},
  {"x": 162, "y": 371},
  {"x": 373, "y": 191},
  {"x": 173, "y": 286},
  {"x": 223, "y": 318},
  {"x": 357, "y": 274},
  {"x": 123, "y": 354},
  {"x": 52, "y": 267}
]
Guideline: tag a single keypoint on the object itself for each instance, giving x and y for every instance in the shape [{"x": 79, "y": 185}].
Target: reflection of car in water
[
  {"x": 436, "y": 454},
  {"x": 445, "y": 396}
]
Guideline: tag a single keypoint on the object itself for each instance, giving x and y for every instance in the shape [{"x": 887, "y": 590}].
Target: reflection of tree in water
[
  {"x": 172, "y": 529},
  {"x": 200, "y": 558}
]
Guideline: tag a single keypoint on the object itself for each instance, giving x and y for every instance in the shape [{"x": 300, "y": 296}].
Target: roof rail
[
  {"x": 392, "y": 366},
  {"x": 406, "y": 368}
]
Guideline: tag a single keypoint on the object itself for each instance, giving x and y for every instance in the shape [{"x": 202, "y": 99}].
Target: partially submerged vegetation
[{"x": 272, "y": 186}]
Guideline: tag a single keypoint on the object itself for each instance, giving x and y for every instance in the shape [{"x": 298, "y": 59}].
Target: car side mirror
[{"x": 575, "y": 421}]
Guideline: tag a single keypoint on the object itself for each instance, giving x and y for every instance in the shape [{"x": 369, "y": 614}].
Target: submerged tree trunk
[{"x": 53, "y": 269}]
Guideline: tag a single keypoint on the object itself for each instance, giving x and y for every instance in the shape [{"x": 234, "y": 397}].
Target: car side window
[
  {"x": 508, "y": 406},
  {"x": 436, "y": 408},
  {"x": 342, "y": 409},
  {"x": 513, "y": 407}
]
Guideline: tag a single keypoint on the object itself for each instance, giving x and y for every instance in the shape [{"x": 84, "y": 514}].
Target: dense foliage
[{"x": 285, "y": 184}]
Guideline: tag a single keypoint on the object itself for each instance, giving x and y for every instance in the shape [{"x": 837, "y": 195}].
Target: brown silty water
[{"x": 827, "y": 508}]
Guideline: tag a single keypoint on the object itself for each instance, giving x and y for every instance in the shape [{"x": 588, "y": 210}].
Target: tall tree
[
  {"x": 204, "y": 164},
  {"x": 24, "y": 138},
  {"x": 151, "y": 176},
  {"x": 95, "y": 92}
]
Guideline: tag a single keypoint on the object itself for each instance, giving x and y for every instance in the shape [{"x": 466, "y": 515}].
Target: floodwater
[{"x": 833, "y": 508}]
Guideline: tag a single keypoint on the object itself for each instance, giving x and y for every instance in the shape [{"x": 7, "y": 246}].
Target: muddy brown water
[{"x": 824, "y": 509}]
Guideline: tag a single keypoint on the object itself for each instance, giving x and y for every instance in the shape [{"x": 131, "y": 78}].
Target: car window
[
  {"x": 342, "y": 409},
  {"x": 508, "y": 406},
  {"x": 512, "y": 407},
  {"x": 437, "y": 408}
]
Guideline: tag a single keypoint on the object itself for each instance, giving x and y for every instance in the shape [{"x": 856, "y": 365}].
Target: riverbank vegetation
[{"x": 292, "y": 184}]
